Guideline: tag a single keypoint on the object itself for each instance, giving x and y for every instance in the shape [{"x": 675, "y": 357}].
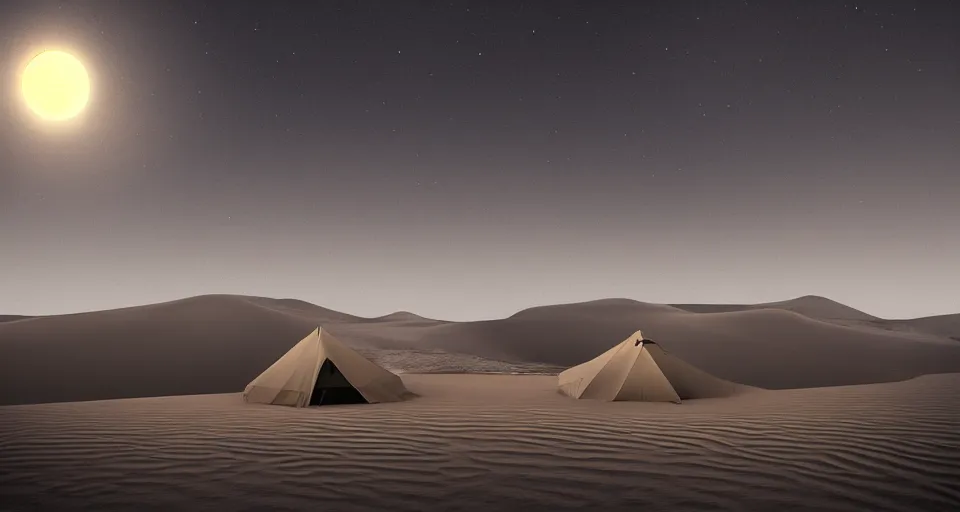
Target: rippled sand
[{"x": 492, "y": 442}]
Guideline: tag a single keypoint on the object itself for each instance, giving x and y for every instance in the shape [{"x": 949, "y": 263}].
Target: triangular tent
[
  {"x": 637, "y": 369},
  {"x": 321, "y": 371}
]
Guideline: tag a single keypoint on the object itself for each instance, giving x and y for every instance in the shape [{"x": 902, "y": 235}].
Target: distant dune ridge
[
  {"x": 947, "y": 326},
  {"x": 219, "y": 343},
  {"x": 808, "y": 305}
]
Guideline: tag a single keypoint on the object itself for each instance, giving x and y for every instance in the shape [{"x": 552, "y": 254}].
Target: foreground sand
[{"x": 473, "y": 442}]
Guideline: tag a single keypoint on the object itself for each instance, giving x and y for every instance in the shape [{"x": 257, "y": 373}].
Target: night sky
[{"x": 465, "y": 160}]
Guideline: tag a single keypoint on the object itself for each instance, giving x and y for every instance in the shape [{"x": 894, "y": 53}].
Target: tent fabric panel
[
  {"x": 688, "y": 380},
  {"x": 573, "y": 381},
  {"x": 606, "y": 383},
  {"x": 646, "y": 382}
]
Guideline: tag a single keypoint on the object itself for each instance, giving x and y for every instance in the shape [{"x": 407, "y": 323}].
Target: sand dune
[
  {"x": 494, "y": 443},
  {"x": 820, "y": 308},
  {"x": 947, "y": 326},
  {"x": 811, "y": 306},
  {"x": 295, "y": 307},
  {"x": 406, "y": 317},
  {"x": 769, "y": 348},
  {"x": 207, "y": 344},
  {"x": 218, "y": 343},
  {"x": 163, "y": 349}
]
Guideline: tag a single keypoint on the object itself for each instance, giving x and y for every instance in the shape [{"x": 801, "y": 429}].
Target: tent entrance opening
[{"x": 332, "y": 388}]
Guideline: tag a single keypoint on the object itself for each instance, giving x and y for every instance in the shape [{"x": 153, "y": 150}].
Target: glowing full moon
[{"x": 55, "y": 86}]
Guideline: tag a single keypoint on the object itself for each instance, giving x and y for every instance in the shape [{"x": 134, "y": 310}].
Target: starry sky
[{"x": 465, "y": 159}]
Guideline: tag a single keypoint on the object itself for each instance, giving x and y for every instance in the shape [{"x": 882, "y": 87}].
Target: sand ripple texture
[{"x": 493, "y": 442}]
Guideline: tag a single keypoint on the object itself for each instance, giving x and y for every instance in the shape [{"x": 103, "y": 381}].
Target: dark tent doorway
[{"x": 332, "y": 388}]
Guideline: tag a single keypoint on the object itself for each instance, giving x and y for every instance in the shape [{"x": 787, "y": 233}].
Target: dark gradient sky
[{"x": 464, "y": 160}]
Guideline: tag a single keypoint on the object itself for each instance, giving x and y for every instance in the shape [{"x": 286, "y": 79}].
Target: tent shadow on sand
[
  {"x": 638, "y": 369},
  {"x": 319, "y": 371}
]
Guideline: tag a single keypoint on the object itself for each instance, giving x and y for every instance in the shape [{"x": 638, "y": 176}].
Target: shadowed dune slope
[
  {"x": 947, "y": 326},
  {"x": 811, "y": 306},
  {"x": 206, "y": 344},
  {"x": 12, "y": 318},
  {"x": 218, "y": 343},
  {"x": 494, "y": 443},
  {"x": 171, "y": 348},
  {"x": 820, "y": 308}
]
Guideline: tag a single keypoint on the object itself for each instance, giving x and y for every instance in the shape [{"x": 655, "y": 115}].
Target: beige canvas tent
[
  {"x": 637, "y": 369},
  {"x": 319, "y": 370}
]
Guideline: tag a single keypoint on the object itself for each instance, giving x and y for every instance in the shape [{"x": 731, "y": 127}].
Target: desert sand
[
  {"x": 859, "y": 413},
  {"x": 218, "y": 343},
  {"x": 492, "y": 442}
]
